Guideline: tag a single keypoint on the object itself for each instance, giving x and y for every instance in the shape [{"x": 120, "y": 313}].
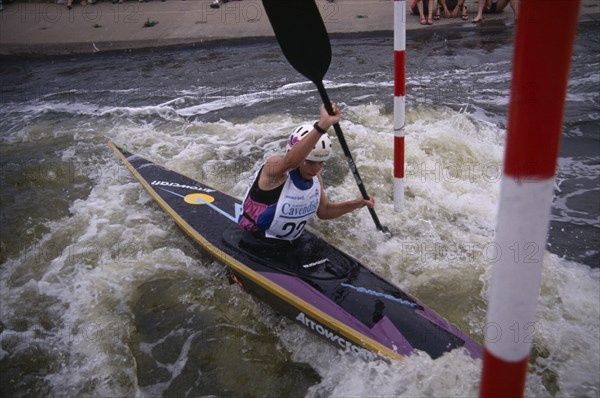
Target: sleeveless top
[{"x": 281, "y": 213}]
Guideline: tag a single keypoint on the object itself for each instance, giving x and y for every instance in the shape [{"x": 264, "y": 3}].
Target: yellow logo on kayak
[{"x": 198, "y": 198}]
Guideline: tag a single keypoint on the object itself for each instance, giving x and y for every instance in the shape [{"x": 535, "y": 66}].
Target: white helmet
[{"x": 321, "y": 151}]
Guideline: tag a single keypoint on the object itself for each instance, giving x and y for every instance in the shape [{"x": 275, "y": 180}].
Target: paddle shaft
[{"x": 344, "y": 145}]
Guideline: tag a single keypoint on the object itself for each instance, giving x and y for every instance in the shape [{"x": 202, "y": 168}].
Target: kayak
[{"x": 313, "y": 283}]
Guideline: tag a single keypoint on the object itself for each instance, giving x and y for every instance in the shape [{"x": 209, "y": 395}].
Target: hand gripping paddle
[{"x": 302, "y": 36}]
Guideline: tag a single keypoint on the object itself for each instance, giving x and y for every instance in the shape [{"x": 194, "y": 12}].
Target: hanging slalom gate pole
[
  {"x": 542, "y": 57},
  {"x": 399, "y": 104}
]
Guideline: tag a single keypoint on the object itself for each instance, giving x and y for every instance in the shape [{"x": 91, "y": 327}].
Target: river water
[{"x": 102, "y": 295}]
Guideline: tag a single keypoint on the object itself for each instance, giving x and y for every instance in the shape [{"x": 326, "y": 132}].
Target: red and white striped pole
[
  {"x": 542, "y": 57},
  {"x": 399, "y": 92}
]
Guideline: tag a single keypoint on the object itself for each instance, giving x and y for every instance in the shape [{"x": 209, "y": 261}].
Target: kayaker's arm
[{"x": 329, "y": 210}]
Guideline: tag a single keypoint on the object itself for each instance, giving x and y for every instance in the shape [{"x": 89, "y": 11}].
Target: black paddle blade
[{"x": 302, "y": 36}]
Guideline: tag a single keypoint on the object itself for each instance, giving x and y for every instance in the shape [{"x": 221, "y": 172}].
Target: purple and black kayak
[{"x": 311, "y": 282}]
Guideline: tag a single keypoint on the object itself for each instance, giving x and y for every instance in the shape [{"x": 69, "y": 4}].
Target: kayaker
[{"x": 288, "y": 190}]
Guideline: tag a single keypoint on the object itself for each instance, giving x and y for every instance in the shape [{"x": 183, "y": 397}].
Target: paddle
[{"x": 302, "y": 36}]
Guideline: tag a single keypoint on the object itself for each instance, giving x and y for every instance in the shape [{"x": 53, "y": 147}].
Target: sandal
[
  {"x": 423, "y": 21},
  {"x": 476, "y": 21},
  {"x": 429, "y": 21},
  {"x": 465, "y": 16}
]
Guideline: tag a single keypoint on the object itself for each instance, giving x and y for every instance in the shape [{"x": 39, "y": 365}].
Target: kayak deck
[{"x": 321, "y": 287}]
